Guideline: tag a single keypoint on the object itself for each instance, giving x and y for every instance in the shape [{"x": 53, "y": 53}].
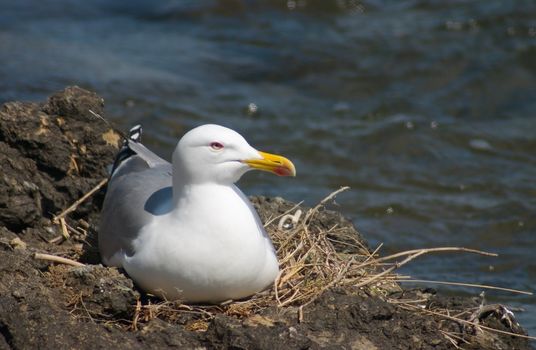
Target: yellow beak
[{"x": 273, "y": 163}]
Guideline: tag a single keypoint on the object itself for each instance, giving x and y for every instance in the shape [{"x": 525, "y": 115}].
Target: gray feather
[{"x": 136, "y": 185}]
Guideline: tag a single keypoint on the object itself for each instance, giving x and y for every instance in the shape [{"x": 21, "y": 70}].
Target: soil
[{"x": 53, "y": 153}]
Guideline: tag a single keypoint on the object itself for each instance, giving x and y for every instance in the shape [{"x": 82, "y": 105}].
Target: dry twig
[
  {"x": 460, "y": 320},
  {"x": 57, "y": 259},
  {"x": 474, "y": 285},
  {"x": 79, "y": 201}
]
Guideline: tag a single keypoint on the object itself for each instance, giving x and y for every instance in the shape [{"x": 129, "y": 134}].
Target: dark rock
[
  {"x": 228, "y": 333},
  {"x": 76, "y": 103},
  {"x": 51, "y": 155},
  {"x": 105, "y": 290}
]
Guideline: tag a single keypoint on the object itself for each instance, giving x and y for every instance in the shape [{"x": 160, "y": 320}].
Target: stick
[
  {"x": 136, "y": 315},
  {"x": 57, "y": 259},
  {"x": 79, "y": 201},
  {"x": 394, "y": 267},
  {"x": 412, "y": 255},
  {"x": 371, "y": 255},
  {"x": 469, "y": 323},
  {"x": 111, "y": 125},
  {"x": 331, "y": 196},
  {"x": 64, "y": 231},
  {"x": 55, "y": 240},
  {"x": 468, "y": 285},
  {"x": 425, "y": 251},
  {"x": 440, "y": 249},
  {"x": 312, "y": 211}
]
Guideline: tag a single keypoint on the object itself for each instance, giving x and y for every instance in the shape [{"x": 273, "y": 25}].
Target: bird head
[{"x": 213, "y": 153}]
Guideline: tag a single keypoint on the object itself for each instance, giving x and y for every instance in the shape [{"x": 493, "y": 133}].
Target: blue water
[{"x": 427, "y": 109}]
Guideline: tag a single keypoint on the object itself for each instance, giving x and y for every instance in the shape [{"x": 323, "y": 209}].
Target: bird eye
[{"x": 216, "y": 146}]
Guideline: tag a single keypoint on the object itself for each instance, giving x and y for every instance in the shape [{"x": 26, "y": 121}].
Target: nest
[{"x": 312, "y": 259}]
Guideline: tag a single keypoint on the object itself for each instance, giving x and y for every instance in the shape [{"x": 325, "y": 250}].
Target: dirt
[{"x": 53, "y": 153}]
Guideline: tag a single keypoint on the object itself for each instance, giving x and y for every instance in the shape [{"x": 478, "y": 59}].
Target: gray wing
[{"x": 139, "y": 188}]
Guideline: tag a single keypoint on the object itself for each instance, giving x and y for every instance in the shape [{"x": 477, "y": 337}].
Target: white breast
[{"x": 224, "y": 255}]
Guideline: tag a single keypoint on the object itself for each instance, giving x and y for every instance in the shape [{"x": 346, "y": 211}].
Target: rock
[
  {"x": 50, "y": 155},
  {"x": 106, "y": 291},
  {"x": 76, "y": 103}
]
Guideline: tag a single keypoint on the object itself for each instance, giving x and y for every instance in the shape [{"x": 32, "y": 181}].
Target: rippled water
[{"x": 427, "y": 109}]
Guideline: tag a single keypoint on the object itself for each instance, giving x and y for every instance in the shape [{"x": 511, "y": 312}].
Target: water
[{"x": 427, "y": 109}]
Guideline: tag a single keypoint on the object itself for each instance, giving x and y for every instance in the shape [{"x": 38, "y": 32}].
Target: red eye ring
[{"x": 216, "y": 146}]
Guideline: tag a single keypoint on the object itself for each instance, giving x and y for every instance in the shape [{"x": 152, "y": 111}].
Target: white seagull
[{"x": 184, "y": 230}]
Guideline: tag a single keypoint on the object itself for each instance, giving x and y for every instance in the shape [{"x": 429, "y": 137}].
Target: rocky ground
[{"x": 53, "y": 153}]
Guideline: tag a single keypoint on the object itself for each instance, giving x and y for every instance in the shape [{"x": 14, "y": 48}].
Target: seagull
[{"x": 183, "y": 230}]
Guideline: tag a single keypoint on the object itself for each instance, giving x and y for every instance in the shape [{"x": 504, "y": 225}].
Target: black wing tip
[{"x": 134, "y": 135}]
